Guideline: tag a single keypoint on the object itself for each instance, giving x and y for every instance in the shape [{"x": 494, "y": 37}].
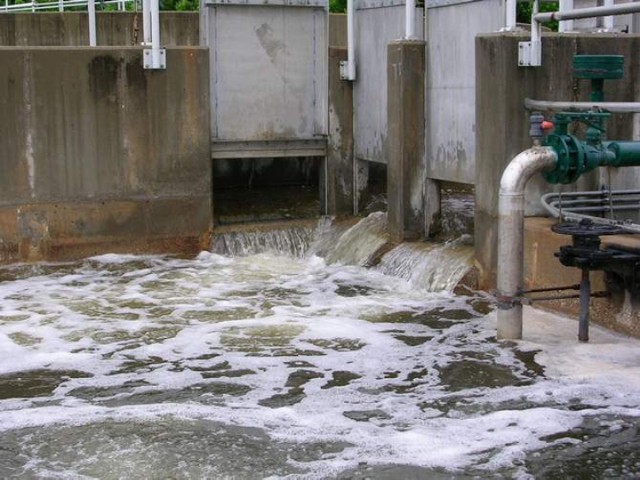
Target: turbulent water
[{"x": 282, "y": 366}]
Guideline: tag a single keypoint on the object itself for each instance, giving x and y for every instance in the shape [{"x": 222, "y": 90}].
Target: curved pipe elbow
[{"x": 524, "y": 166}]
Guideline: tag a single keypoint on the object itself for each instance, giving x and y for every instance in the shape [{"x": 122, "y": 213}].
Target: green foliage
[
  {"x": 337, "y": 6},
  {"x": 180, "y": 5},
  {"x": 523, "y": 12}
]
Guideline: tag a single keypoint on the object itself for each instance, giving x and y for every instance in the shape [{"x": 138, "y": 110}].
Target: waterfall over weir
[
  {"x": 426, "y": 266},
  {"x": 291, "y": 240}
]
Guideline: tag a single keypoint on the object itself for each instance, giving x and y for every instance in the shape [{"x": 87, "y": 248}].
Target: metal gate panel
[
  {"x": 268, "y": 65},
  {"x": 378, "y": 22},
  {"x": 451, "y": 86}
]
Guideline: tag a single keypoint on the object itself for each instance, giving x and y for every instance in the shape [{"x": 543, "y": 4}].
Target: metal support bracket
[
  {"x": 344, "y": 70},
  {"x": 155, "y": 62},
  {"x": 530, "y": 54},
  {"x": 347, "y": 72}
]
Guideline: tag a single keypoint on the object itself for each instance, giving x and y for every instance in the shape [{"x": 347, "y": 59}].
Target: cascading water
[
  {"x": 294, "y": 241},
  {"x": 288, "y": 366},
  {"x": 432, "y": 267},
  {"x": 360, "y": 243}
]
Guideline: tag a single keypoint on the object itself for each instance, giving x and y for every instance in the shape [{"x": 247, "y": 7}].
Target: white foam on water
[{"x": 384, "y": 362}]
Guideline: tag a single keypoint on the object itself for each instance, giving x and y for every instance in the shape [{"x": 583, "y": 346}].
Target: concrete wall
[
  {"x": 112, "y": 28},
  {"x": 451, "y": 84},
  {"x": 337, "y": 30},
  {"x": 337, "y": 185},
  {"x": 98, "y": 154},
  {"x": 502, "y": 122}
]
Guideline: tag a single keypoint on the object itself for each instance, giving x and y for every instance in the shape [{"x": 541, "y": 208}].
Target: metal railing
[
  {"x": 153, "y": 58},
  {"x": 530, "y": 53},
  {"x": 59, "y": 5},
  {"x": 564, "y": 15},
  {"x": 600, "y": 206}
]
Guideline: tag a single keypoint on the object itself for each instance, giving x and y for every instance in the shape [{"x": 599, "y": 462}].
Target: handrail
[
  {"x": 59, "y": 5},
  {"x": 154, "y": 57},
  {"x": 530, "y": 53},
  {"x": 575, "y": 206},
  {"x": 613, "y": 107}
]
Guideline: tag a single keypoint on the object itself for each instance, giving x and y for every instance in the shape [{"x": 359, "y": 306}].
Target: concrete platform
[{"x": 608, "y": 357}]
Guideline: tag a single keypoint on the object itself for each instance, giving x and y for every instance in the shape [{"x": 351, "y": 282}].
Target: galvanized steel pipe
[
  {"x": 608, "y": 21},
  {"x": 351, "y": 41},
  {"x": 511, "y": 234},
  {"x": 613, "y": 107},
  {"x": 510, "y": 21},
  {"x": 91, "y": 12},
  {"x": 146, "y": 22},
  {"x": 155, "y": 33},
  {"x": 588, "y": 12},
  {"x": 567, "y": 25},
  {"x": 410, "y": 20}
]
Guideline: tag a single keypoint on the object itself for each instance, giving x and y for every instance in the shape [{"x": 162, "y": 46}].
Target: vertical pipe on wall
[
  {"x": 510, "y": 15},
  {"x": 155, "y": 32},
  {"x": 511, "y": 235},
  {"x": 410, "y": 19},
  {"x": 607, "y": 22},
  {"x": 146, "y": 22},
  {"x": 351, "y": 43},
  {"x": 536, "y": 36},
  {"x": 565, "y": 25},
  {"x": 91, "y": 11}
]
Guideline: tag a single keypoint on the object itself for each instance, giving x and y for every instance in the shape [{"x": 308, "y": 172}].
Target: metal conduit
[
  {"x": 620, "y": 9},
  {"x": 410, "y": 20},
  {"x": 91, "y": 12},
  {"x": 146, "y": 22},
  {"x": 511, "y": 235},
  {"x": 613, "y": 107}
]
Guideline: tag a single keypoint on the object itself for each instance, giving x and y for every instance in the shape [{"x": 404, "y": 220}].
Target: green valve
[{"x": 575, "y": 156}]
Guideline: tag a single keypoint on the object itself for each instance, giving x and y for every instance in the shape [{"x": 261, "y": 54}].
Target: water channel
[{"x": 294, "y": 355}]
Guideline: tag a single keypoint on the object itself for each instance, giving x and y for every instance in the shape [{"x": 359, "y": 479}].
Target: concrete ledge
[{"x": 71, "y": 230}]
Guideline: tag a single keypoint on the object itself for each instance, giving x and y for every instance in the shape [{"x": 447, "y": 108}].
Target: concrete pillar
[
  {"x": 405, "y": 138},
  {"x": 336, "y": 183}
]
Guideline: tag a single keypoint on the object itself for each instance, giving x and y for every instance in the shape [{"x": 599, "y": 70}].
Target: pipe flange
[{"x": 570, "y": 154}]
